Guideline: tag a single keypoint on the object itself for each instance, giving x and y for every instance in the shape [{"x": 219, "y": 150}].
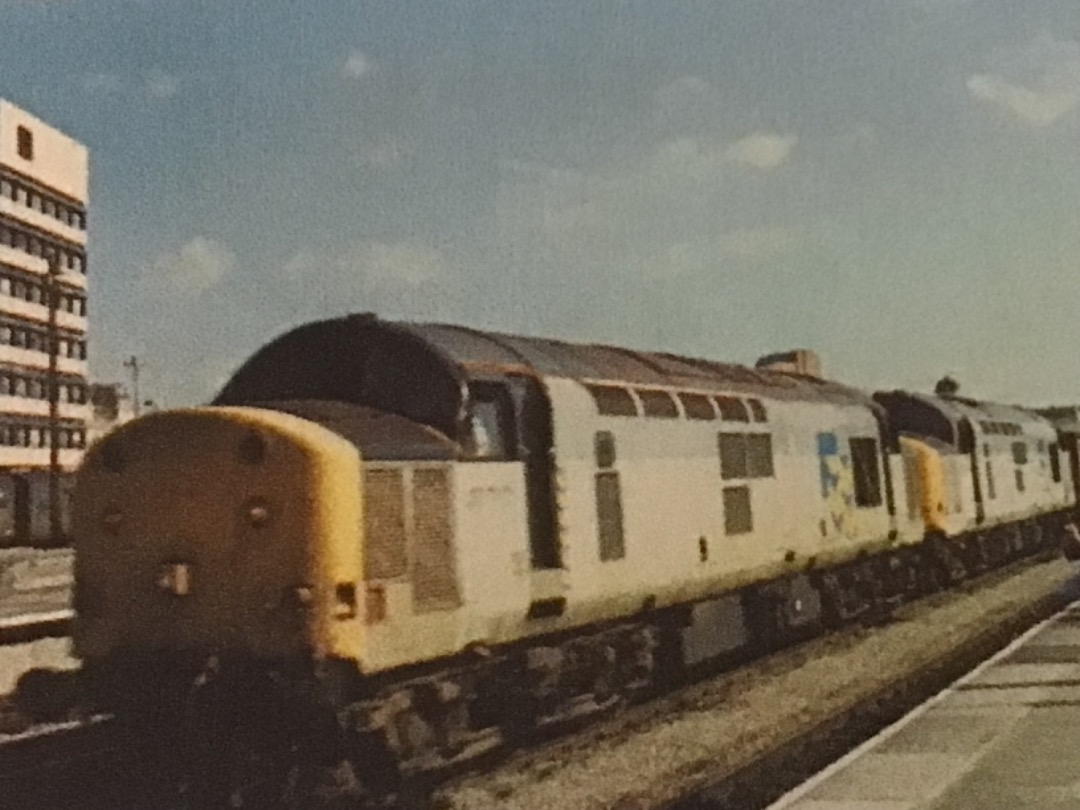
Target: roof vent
[{"x": 796, "y": 361}]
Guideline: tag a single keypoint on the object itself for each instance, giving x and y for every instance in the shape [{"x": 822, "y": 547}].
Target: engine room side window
[
  {"x": 759, "y": 455},
  {"x": 1055, "y": 462},
  {"x": 732, "y": 409},
  {"x": 737, "y": 516},
  {"x": 745, "y": 455},
  {"x": 613, "y": 401},
  {"x": 733, "y": 462},
  {"x": 1019, "y": 452},
  {"x": 657, "y": 403},
  {"x": 609, "y": 514},
  {"x": 757, "y": 409},
  {"x": 697, "y": 406},
  {"x": 864, "y": 467}
]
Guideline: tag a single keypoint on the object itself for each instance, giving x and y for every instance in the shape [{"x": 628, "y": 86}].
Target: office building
[{"x": 43, "y": 206}]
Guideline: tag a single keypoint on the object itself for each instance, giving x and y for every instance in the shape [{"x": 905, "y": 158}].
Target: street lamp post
[{"x": 132, "y": 363}]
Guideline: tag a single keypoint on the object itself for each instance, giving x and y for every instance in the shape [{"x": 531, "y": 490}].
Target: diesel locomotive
[{"x": 386, "y": 547}]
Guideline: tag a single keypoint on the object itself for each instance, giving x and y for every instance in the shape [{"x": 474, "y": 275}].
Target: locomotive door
[
  {"x": 1071, "y": 442},
  {"x": 966, "y": 436},
  {"x": 515, "y": 416},
  {"x": 534, "y": 442}
]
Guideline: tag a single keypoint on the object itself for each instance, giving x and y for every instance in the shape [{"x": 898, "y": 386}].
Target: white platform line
[{"x": 814, "y": 781}]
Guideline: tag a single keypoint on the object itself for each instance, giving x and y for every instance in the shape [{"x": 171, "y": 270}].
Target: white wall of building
[{"x": 44, "y": 177}]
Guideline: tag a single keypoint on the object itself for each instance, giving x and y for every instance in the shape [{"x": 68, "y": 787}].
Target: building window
[
  {"x": 737, "y": 515},
  {"x": 24, "y": 143},
  {"x": 990, "y": 492},
  {"x": 1019, "y": 480},
  {"x": 864, "y": 463},
  {"x": 1055, "y": 462},
  {"x": 1019, "y": 452},
  {"x": 757, "y": 409}
]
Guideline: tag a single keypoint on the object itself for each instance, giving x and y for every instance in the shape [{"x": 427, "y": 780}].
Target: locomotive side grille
[
  {"x": 911, "y": 480},
  {"x": 384, "y": 525},
  {"x": 434, "y": 576}
]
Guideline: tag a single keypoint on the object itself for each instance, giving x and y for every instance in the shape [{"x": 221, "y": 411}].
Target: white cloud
[
  {"x": 386, "y": 154},
  {"x": 357, "y": 66},
  {"x": 195, "y": 267},
  {"x": 161, "y": 85},
  {"x": 684, "y": 90},
  {"x": 754, "y": 244},
  {"x": 104, "y": 83},
  {"x": 380, "y": 264},
  {"x": 402, "y": 264},
  {"x": 1047, "y": 88},
  {"x": 762, "y": 150},
  {"x": 1040, "y": 108}
]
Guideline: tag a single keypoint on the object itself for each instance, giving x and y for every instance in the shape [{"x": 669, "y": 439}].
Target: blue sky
[{"x": 893, "y": 184}]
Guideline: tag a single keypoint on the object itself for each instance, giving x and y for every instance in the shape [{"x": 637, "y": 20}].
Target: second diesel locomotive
[{"x": 402, "y": 544}]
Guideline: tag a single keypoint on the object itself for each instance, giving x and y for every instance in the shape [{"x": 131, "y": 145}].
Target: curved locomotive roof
[
  {"x": 942, "y": 417},
  {"x": 422, "y": 371}
]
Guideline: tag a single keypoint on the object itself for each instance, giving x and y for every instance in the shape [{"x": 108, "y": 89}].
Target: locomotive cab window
[
  {"x": 492, "y": 422},
  {"x": 864, "y": 467}
]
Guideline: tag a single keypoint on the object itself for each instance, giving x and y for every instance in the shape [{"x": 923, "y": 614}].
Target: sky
[{"x": 894, "y": 184}]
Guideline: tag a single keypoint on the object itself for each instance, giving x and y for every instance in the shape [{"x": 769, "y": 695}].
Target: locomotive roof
[{"x": 473, "y": 353}]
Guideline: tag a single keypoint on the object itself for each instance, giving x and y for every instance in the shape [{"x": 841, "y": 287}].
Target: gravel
[{"x": 653, "y": 754}]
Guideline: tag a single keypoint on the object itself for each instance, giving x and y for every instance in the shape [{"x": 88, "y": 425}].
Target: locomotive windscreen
[{"x": 356, "y": 360}]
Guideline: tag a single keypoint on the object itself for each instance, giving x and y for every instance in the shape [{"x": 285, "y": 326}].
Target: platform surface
[{"x": 1004, "y": 737}]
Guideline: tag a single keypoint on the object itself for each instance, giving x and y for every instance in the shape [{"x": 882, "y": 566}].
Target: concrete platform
[{"x": 1004, "y": 737}]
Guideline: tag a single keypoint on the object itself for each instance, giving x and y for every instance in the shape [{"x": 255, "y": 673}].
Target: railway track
[
  {"x": 740, "y": 739},
  {"x": 23, "y": 629},
  {"x": 91, "y": 763}
]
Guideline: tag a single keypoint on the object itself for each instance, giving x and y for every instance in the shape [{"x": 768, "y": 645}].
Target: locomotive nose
[{"x": 225, "y": 530}]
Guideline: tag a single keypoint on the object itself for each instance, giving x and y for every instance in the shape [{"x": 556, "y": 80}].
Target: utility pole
[
  {"x": 56, "y": 524},
  {"x": 132, "y": 363}
]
